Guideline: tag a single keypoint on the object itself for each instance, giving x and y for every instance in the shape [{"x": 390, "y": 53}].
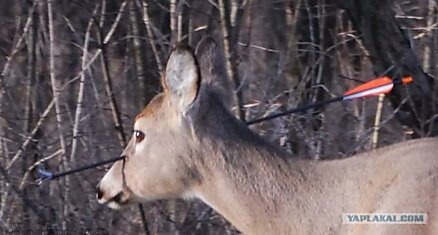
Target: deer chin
[
  {"x": 116, "y": 205},
  {"x": 119, "y": 201}
]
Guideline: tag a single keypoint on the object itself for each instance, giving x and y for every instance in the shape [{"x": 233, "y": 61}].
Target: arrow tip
[
  {"x": 407, "y": 80},
  {"x": 44, "y": 174}
]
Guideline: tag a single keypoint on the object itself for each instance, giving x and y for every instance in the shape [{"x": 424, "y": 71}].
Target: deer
[{"x": 188, "y": 144}]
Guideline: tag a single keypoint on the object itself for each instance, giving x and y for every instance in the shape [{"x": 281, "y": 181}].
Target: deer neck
[{"x": 244, "y": 177}]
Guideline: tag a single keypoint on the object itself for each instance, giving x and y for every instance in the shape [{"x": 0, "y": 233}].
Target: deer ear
[
  {"x": 181, "y": 79},
  {"x": 212, "y": 67}
]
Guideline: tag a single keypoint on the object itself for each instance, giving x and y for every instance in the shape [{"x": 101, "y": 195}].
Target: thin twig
[
  {"x": 115, "y": 24},
  {"x": 113, "y": 104},
  {"x": 138, "y": 55},
  {"x": 19, "y": 41},
  {"x": 32, "y": 134},
  {"x": 80, "y": 104},
  {"x": 173, "y": 23},
  {"x": 147, "y": 22},
  {"x": 53, "y": 80},
  {"x": 59, "y": 120},
  {"x": 230, "y": 62},
  {"x": 377, "y": 120}
]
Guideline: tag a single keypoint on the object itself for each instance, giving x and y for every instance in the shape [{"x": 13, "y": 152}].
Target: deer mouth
[{"x": 118, "y": 201}]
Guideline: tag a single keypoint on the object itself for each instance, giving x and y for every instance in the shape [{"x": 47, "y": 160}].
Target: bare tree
[{"x": 74, "y": 74}]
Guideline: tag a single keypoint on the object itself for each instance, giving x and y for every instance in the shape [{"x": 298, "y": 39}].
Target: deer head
[{"x": 160, "y": 159}]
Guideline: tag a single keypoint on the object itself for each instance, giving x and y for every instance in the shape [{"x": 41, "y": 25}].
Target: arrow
[{"x": 381, "y": 85}]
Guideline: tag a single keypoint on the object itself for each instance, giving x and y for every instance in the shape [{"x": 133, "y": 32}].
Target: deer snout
[
  {"x": 113, "y": 200},
  {"x": 99, "y": 193},
  {"x": 110, "y": 189}
]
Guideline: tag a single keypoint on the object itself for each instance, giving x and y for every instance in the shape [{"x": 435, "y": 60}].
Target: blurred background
[{"x": 75, "y": 73}]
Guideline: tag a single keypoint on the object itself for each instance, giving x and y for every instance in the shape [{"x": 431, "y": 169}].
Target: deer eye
[{"x": 139, "y": 136}]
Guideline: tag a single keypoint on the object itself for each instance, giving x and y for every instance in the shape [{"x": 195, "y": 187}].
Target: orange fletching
[{"x": 382, "y": 81}]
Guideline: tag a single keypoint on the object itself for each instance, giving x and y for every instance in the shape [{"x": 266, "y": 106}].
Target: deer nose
[{"x": 99, "y": 192}]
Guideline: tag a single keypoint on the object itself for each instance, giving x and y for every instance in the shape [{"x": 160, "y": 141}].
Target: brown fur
[
  {"x": 201, "y": 150},
  {"x": 149, "y": 110}
]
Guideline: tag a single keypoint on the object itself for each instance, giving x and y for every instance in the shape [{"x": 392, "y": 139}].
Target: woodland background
[{"x": 74, "y": 74}]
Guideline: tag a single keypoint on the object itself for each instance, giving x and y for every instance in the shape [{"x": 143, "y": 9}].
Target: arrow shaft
[
  {"x": 61, "y": 174},
  {"x": 295, "y": 110}
]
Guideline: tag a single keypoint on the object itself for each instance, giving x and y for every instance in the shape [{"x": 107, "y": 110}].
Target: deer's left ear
[{"x": 181, "y": 79}]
